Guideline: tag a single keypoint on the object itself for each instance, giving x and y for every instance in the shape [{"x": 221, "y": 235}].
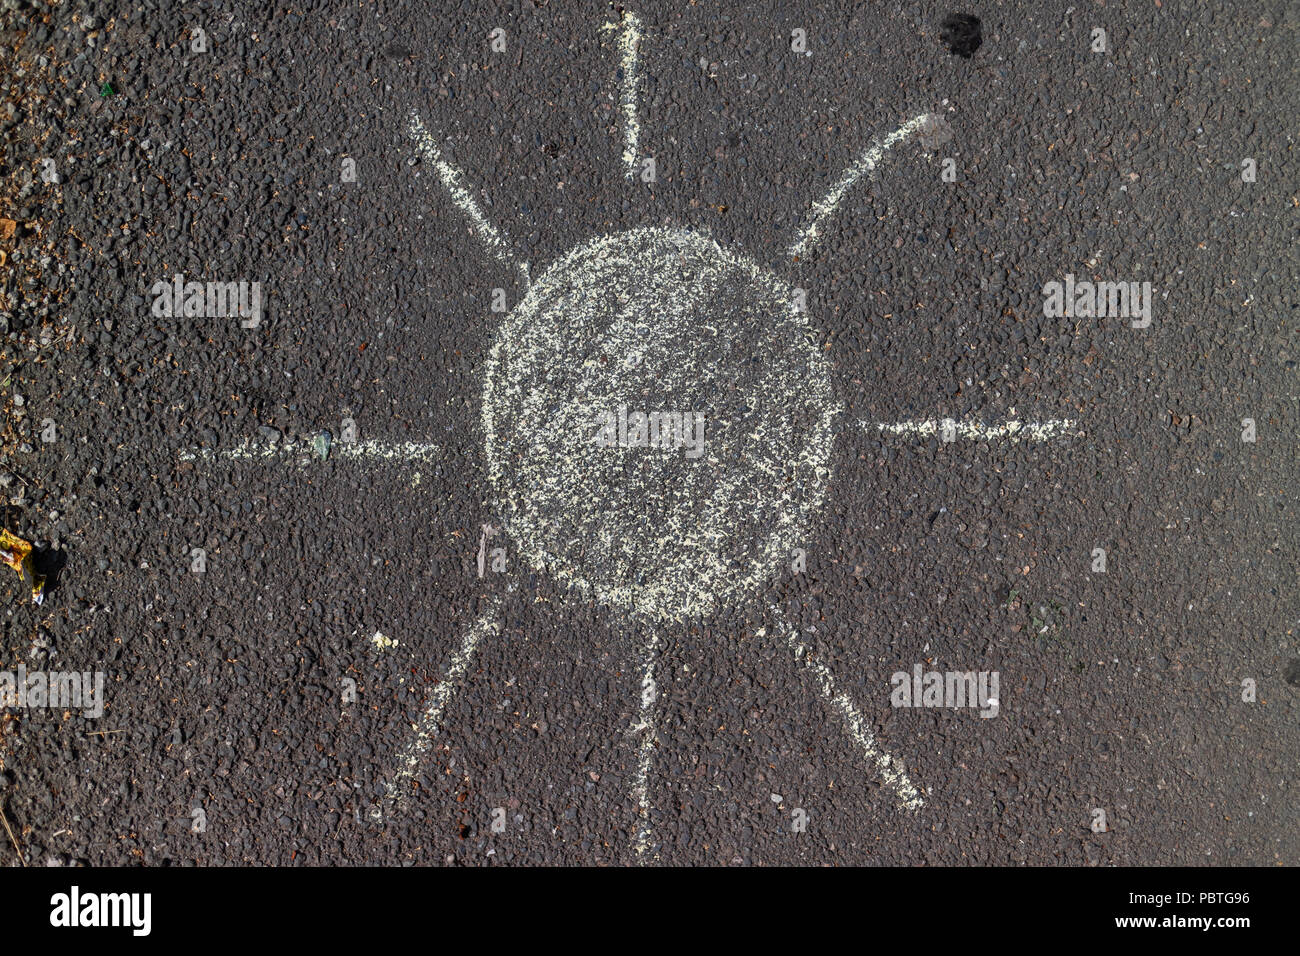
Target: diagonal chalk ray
[
  {"x": 489, "y": 622},
  {"x": 863, "y": 166},
  {"x": 453, "y": 182},
  {"x": 909, "y": 798}
]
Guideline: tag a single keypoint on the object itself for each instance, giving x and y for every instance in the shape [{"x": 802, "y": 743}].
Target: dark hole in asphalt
[
  {"x": 961, "y": 34},
  {"x": 1292, "y": 672},
  {"x": 49, "y": 564}
]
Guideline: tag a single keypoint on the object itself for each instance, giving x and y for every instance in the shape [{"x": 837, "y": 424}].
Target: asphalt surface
[{"x": 1120, "y": 691}]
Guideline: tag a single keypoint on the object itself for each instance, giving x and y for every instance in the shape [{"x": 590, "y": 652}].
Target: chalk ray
[
  {"x": 489, "y": 622},
  {"x": 855, "y": 725},
  {"x": 862, "y": 166},
  {"x": 452, "y": 180},
  {"x": 630, "y": 42},
  {"x": 647, "y": 735},
  {"x": 1011, "y": 430}
]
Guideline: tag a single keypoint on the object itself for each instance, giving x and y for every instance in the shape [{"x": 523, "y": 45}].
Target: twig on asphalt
[{"x": 12, "y": 838}]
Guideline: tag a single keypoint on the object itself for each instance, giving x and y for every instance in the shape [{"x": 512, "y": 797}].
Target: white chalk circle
[{"x": 659, "y": 322}]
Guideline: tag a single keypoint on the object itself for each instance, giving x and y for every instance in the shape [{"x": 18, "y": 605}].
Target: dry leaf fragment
[{"x": 17, "y": 553}]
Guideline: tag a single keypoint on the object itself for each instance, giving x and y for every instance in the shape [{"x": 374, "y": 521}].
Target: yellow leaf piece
[{"x": 17, "y": 553}]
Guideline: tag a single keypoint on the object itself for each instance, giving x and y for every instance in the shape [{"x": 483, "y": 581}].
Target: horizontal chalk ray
[
  {"x": 408, "y": 763},
  {"x": 304, "y": 453},
  {"x": 452, "y": 180},
  {"x": 945, "y": 428},
  {"x": 855, "y": 725},
  {"x": 862, "y": 166}
]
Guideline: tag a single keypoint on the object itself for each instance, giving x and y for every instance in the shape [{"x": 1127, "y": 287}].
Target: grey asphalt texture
[{"x": 1121, "y": 691}]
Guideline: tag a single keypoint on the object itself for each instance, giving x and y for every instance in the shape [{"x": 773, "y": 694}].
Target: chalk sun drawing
[
  {"x": 666, "y": 317},
  {"x": 660, "y": 317},
  {"x": 656, "y": 318}
]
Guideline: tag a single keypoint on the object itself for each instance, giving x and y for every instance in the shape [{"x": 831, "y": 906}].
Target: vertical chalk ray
[
  {"x": 644, "y": 728},
  {"x": 427, "y": 145},
  {"x": 489, "y": 622},
  {"x": 629, "y": 43},
  {"x": 863, "y": 166},
  {"x": 855, "y": 725}
]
